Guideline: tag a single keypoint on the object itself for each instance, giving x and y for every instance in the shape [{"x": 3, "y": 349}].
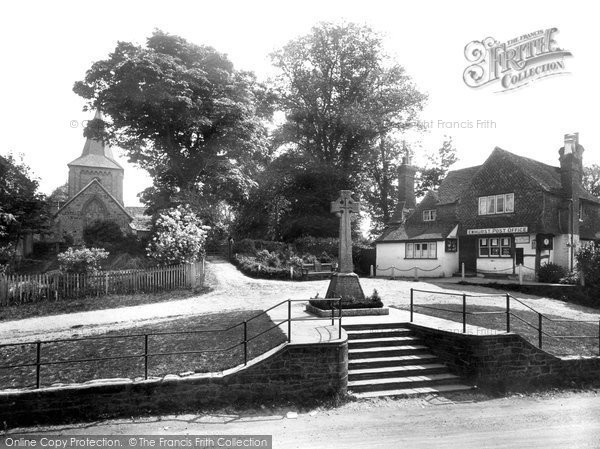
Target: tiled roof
[
  {"x": 455, "y": 182},
  {"x": 458, "y": 183}
]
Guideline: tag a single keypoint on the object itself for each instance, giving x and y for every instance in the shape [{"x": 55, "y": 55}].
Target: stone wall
[
  {"x": 291, "y": 372},
  {"x": 506, "y": 361},
  {"x": 89, "y": 205}
]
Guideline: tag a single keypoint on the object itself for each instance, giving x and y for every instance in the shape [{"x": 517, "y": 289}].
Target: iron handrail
[
  {"x": 147, "y": 354},
  {"x": 508, "y": 312}
]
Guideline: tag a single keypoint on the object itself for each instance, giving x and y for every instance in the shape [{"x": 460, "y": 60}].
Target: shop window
[
  {"x": 497, "y": 204},
  {"x": 421, "y": 250},
  {"x": 495, "y": 247},
  {"x": 429, "y": 215}
]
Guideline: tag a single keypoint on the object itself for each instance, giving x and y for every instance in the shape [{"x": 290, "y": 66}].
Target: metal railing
[
  {"x": 538, "y": 327},
  {"x": 147, "y": 353}
]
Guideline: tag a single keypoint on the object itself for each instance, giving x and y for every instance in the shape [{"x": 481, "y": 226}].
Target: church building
[
  {"x": 510, "y": 211},
  {"x": 95, "y": 192}
]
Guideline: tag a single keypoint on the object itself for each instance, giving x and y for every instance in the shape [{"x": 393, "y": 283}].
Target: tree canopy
[
  {"x": 591, "y": 179},
  {"x": 182, "y": 112},
  {"x": 340, "y": 92},
  {"x": 23, "y": 206}
]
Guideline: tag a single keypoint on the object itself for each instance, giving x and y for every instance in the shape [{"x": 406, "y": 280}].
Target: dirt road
[
  {"x": 564, "y": 420},
  {"x": 231, "y": 290}
]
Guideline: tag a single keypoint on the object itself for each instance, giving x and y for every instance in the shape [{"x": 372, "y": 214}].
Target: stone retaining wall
[
  {"x": 506, "y": 361},
  {"x": 294, "y": 372}
]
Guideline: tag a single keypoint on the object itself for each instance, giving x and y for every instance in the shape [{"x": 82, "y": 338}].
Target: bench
[{"x": 318, "y": 269}]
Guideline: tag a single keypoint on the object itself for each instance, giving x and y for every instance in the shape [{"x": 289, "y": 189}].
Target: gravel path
[{"x": 231, "y": 290}]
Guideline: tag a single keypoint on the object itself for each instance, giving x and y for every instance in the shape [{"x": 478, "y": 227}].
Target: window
[
  {"x": 429, "y": 215},
  {"x": 421, "y": 250},
  {"x": 495, "y": 247},
  {"x": 497, "y": 204}
]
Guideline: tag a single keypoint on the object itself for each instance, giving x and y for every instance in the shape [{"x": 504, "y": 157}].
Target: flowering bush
[
  {"x": 81, "y": 260},
  {"x": 178, "y": 237}
]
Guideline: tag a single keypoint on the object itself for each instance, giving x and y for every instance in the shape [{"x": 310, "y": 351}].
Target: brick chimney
[
  {"x": 406, "y": 189},
  {"x": 406, "y": 182},
  {"x": 571, "y": 165}
]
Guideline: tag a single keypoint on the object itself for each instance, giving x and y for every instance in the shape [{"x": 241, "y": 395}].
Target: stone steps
[
  {"x": 386, "y": 359},
  {"x": 384, "y": 342},
  {"x": 436, "y": 389}
]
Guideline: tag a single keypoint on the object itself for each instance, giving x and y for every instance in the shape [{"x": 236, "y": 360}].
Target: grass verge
[
  {"x": 219, "y": 356},
  {"x": 587, "y": 346},
  {"x": 48, "y": 308}
]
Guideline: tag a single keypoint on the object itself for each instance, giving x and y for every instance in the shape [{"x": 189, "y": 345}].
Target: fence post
[
  {"x": 3, "y": 290},
  {"x": 520, "y": 274},
  {"x": 289, "y": 320},
  {"x": 245, "y": 342},
  {"x": 340, "y": 320},
  {"x": 462, "y": 272},
  {"x": 540, "y": 330},
  {"x": 106, "y": 283},
  {"x": 393, "y": 273},
  {"x": 146, "y": 356},
  {"x": 38, "y": 361},
  {"x": 292, "y": 273},
  {"x": 464, "y": 312},
  {"x": 507, "y": 313},
  {"x": 332, "y": 314},
  {"x": 411, "y": 304}
]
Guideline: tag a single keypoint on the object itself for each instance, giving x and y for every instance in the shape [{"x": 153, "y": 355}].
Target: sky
[{"x": 47, "y": 46}]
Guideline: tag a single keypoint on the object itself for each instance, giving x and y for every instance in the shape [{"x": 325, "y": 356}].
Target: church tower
[
  {"x": 96, "y": 162},
  {"x": 95, "y": 192}
]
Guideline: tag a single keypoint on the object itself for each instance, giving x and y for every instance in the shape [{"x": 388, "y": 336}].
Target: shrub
[
  {"x": 551, "y": 273},
  {"x": 82, "y": 260},
  {"x": 179, "y": 236},
  {"x": 251, "y": 267},
  {"x": 101, "y": 232},
  {"x": 588, "y": 261}
]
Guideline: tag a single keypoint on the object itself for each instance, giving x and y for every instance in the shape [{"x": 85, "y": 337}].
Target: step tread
[
  {"x": 391, "y": 369},
  {"x": 414, "y": 391},
  {"x": 406, "y": 379},
  {"x": 397, "y": 358},
  {"x": 385, "y": 348},
  {"x": 382, "y": 340},
  {"x": 382, "y": 326},
  {"x": 402, "y": 330}
]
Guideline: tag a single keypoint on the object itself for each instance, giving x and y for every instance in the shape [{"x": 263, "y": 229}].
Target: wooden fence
[{"x": 29, "y": 288}]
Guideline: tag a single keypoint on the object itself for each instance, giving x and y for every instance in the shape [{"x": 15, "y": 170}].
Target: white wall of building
[
  {"x": 393, "y": 255},
  {"x": 562, "y": 249}
]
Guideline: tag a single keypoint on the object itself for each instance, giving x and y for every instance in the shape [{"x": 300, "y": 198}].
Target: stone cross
[{"x": 345, "y": 206}]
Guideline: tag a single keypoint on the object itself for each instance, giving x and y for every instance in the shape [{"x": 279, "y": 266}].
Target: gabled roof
[
  {"x": 96, "y": 154},
  {"x": 454, "y": 184},
  {"x": 87, "y": 187},
  {"x": 453, "y": 187}
]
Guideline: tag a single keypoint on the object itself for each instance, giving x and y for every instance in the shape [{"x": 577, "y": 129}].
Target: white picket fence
[{"x": 29, "y": 288}]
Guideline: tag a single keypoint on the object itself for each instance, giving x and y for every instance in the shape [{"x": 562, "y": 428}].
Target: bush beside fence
[{"x": 18, "y": 289}]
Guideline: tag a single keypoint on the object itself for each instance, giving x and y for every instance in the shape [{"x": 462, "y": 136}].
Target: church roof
[{"x": 96, "y": 154}]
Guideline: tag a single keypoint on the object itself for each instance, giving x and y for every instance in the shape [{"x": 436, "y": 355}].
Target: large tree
[
  {"x": 182, "y": 112},
  {"x": 343, "y": 100},
  {"x": 340, "y": 93}
]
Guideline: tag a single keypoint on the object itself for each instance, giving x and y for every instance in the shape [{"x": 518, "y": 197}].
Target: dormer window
[
  {"x": 429, "y": 215},
  {"x": 497, "y": 204}
]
